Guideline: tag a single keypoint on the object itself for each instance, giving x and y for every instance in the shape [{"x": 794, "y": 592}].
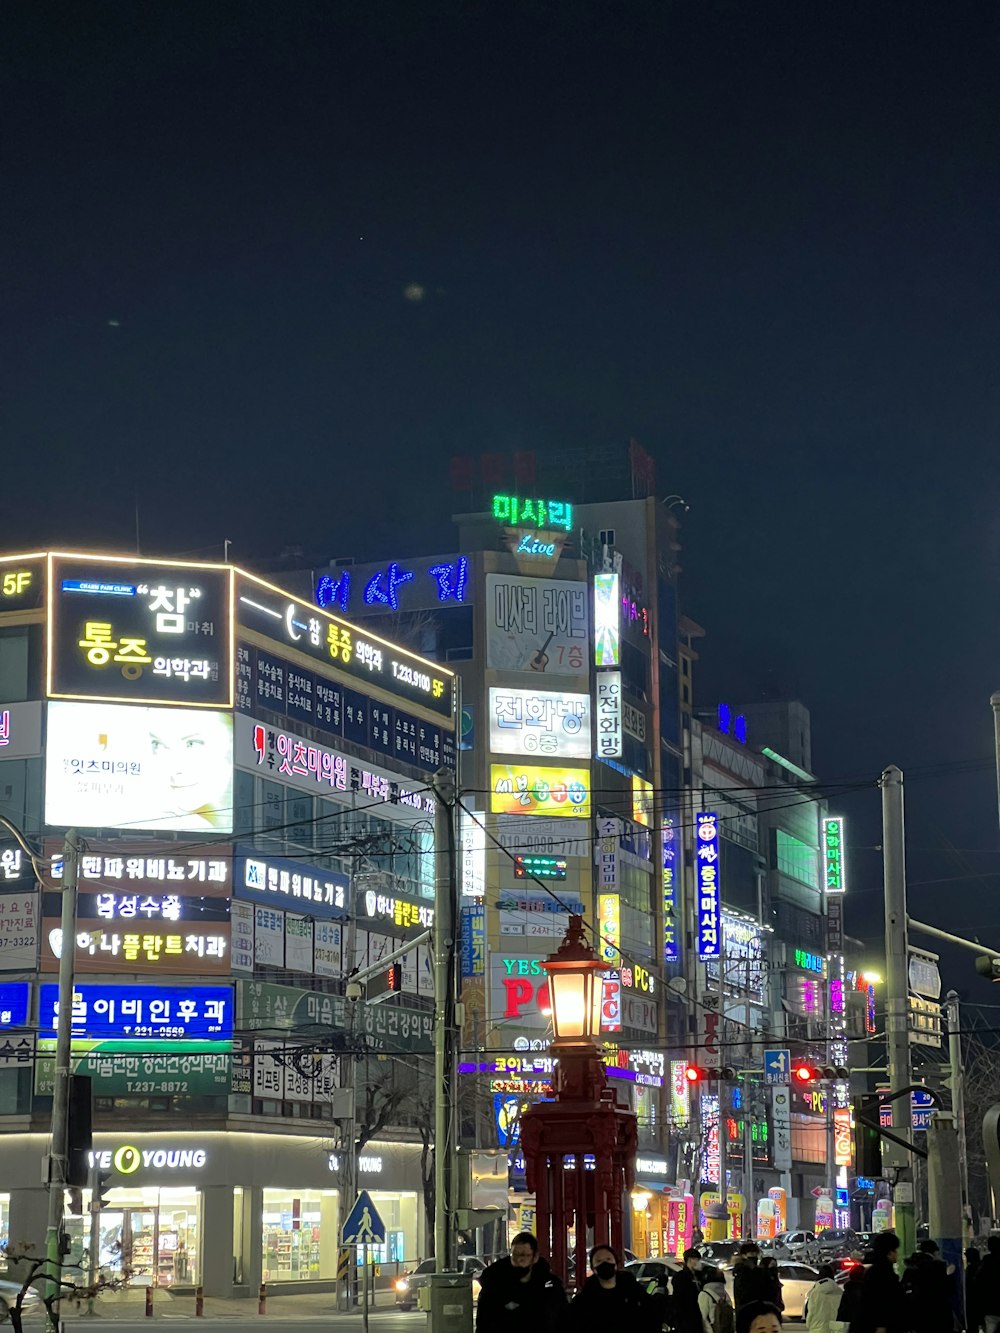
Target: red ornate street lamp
[{"x": 579, "y": 1150}]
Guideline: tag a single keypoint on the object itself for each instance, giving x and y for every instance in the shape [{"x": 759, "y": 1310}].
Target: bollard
[
  {"x": 199, "y": 1300},
  {"x": 149, "y": 1302},
  {"x": 262, "y": 1299}
]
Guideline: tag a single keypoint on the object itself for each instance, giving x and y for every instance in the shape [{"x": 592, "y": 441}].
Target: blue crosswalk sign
[
  {"x": 777, "y": 1066},
  {"x": 363, "y": 1225}
]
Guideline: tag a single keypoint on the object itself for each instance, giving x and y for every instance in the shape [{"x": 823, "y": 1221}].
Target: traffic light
[
  {"x": 394, "y": 977},
  {"x": 80, "y": 1138},
  {"x": 867, "y": 1140},
  {"x": 806, "y": 1074},
  {"x": 75, "y": 1201},
  {"x": 988, "y": 966},
  {"x": 693, "y": 1074},
  {"x": 100, "y": 1186}
]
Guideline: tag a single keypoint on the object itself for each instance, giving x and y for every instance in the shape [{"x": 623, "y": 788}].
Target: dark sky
[{"x": 760, "y": 237}]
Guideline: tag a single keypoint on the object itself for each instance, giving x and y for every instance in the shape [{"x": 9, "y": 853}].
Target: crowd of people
[{"x": 521, "y": 1294}]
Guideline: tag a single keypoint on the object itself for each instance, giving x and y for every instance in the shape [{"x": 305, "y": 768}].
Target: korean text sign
[
  {"x": 141, "y": 632},
  {"x": 540, "y": 625},
  {"x": 526, "y": 790},
  {"x": 707, "y": 881},
  {"x": 671, "y": 937},
  {"x": 833, "y": 855},
  {"x": 120, "y": 766},
  {"x": 609, "y": 714},
  {"x": 540, "y": 722},
  {"x": 154, "y": 947},
  {"x": 101, "y": 1012},
  {"x": 275, "y": 881}
]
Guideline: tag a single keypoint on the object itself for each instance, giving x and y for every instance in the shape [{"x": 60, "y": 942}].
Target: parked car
[
  {"x": 793, "y": 1244},
  {"x": 836, "y": 1241},
  {"x": 408, "y": 1286},
  {"x": 718, "y": 1251},
  {"x": 796, "y": 1281},
  {"x": 659, "y": 1271},
  {"x": 9, "y": 1292}
]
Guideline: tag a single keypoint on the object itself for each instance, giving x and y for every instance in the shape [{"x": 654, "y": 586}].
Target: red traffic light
[
  {"x": 394, "y": 977},
  {"x": 693, "y": 1074},
  {"x": 803, "y": 1074}
]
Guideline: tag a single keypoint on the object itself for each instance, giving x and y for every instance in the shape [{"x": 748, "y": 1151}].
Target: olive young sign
[
  {"x": 115, "y": 766},
  {"x": 540, "y": 722},
  {"x": 343, "y": 647},
  {"x": 140, "y": 631}
]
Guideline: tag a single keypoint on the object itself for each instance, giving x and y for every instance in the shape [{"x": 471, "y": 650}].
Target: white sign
[
  {"x": 534, "y": 912},
  {"x": 127, "y": 1159},
  {"x": 241, "y": 926},
  {"x": 540, "y": 722},
  {"x": 269, "y": 937},
  {"x": 132, "y": 767},
  {"x": 298, "y": 943},
  {"x": 634, "y": 720},
  {"x": 472, "y": 834},
  {"x": 638, "y": 1013},
  {"x": 609, "y": 714},
  {"x": 328, "y": 938},
  {"x": 21, "y": 731},
  {"x": 18, "y": 931},
  {"x": 538, "y": 625},
  {"x": 544, "y": 836}
]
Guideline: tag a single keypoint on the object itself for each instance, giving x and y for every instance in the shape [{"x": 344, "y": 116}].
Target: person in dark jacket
[
  {"x": 520, "y": 1294},
  {"x": 927, "y": 1290},
  {"x": 686, "y": 1286},
  {"x": 882, "y": 1309},
  {"x": 610, "y": 1299},
  {"x": 770, "y": 1281},
  {"x": 973, "y": 1314},
  {"x": 988, "y": 1286},
  {"x": 751, "y": 1282},
  {"x": 849, "y": 1312}
]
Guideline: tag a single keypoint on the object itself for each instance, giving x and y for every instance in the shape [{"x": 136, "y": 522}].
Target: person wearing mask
[
  {"x": 973, "y": 1314},
  {"x": 758, "y": 1317},
  {"x": 610, "y": 1299},
  {"x": 686, "y": 1286},
  {"x": 882, "y": 1309},
  {"x": 927, "y": 1290},
  {"x": 714, "y": 1305},
  {"x": 750, "y": 1282},
  {"x": 987, "y": 1290},
  {"x": 823, "y": 1303},
  {"x": 520, "y": 1294}
]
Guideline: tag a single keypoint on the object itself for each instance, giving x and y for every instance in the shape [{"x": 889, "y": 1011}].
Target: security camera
[{"x": 353, "y": 991}]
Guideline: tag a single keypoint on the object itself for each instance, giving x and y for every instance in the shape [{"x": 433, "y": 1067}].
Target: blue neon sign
[
  {"x": 707, "y": 876},
  {"x": 180, "y": 1013},
  {"x": 383, "y": 588},
  {"x": 14, "y": 1004}
]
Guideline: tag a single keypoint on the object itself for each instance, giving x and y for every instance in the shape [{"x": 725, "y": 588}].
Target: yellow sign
[
  {"x": 642, "y": 801},
  {"x": 842, "y": 1135},
  {"x": 609, "y": 911},
  {"x": 521, "y": 789}
]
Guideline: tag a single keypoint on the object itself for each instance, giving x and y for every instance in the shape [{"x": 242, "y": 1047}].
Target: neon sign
[
  {"x": 518, "y": 512},
  {"x": 382, "y": 589},
  {"x": 671, "y": 940},
  {"x": 607, "y": 630},
  {"x": 707, "y": 875},
  {"x": 833, "y": 855}
]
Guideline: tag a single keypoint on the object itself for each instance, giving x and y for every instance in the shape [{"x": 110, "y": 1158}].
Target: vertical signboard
[
  {"x": 609, "y": 714},
  {"x": 842, "y": 1135},
  {"x": 607, "y": 611},
  {"x": 609, "y": 910},
  {"x": 707, "y": 882},
  {"x": 608, "y": 832},
  {"x": 472, "y": 837},
  {"x": 611, "y": 1002},
  {"x": 642, "y": 801},
  {"x": 671, "y": 934},
  {"x": 834, "y": 880},
  {"x": 680, "y": 1094}
]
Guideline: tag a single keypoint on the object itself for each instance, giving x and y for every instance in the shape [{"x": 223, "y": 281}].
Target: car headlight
[{"x": 402, "y": 1284}]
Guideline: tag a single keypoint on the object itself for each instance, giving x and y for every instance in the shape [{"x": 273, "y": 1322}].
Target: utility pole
[
  {"x": 445, "y": 1071},
  {"x": 59, "y": 1147},
  {"x": 995, "y": 705},
  {"x": 957, "y": 1080},
  {"x": 897, "y": 1016}
]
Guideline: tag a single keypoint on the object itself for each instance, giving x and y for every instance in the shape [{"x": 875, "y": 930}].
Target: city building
[{"x": 250, "y": 778}]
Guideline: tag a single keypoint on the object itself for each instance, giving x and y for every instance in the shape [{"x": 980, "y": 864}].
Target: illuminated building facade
[{"x": 250, "y": 775}]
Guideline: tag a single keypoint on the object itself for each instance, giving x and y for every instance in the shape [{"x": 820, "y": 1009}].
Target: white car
[
  {"x": 792, "y": 1244},
  {"x": 9, "y": 1292},
  {"x": 797, "y": 1280}
]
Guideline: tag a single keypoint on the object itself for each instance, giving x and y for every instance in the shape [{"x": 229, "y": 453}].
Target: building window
[
  {"x": 808, "y": 1139},
  {"x": 797, "y": 859}
]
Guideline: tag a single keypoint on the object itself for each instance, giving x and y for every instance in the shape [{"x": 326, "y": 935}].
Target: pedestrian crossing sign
[{"x": 363, "y": 1225}]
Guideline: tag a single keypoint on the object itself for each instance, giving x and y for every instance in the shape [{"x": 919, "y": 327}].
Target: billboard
[
  {"x": 140, "y": 631},
  {"x": 276, "y": 881},
  {"x": 833, "y": 855},
  {"x": 18, "y": 931},
  {"x": 161, "y": 1013},
  {"x": 118, "y": 766},
  {"x": 153, "y": 948},
  {"x": 607, "y": 614},
  {"x": 522, "y": 789},
  {"x": 540, "y": 722},
  {"x": 536, "y": 625},
  {"x": 707, "y": 875},
  {"x": 609, "y": 714},
  {"x": 642, "y": 801}
]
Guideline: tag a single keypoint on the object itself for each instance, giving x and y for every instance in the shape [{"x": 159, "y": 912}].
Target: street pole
[
  {"x": 445, "y": 1071},
  {"x": 897, "y": 1017},
  {"x": 995, "y": 705},
  {"x": 944, "y": 1193},
  {"x": 749, "y": 1204},
  {"x": 957, "y": 1080},
  {"x": 59, "y": 1146}
]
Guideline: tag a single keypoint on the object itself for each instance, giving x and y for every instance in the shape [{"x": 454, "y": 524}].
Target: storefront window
[
  {"x": 4, "y": 1220},
  {"x": 301, "y": 1228},
  {"x": 154, "y": 1233}
]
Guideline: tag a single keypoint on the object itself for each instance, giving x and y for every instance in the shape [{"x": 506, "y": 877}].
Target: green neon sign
[{"x": 520, "y": 512}]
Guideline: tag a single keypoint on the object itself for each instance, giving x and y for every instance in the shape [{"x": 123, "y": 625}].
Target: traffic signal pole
[{"x": 897, "y": 1016}]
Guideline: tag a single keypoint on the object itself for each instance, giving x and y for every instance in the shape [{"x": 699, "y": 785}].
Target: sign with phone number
[{"x": 189, "y": 1069}]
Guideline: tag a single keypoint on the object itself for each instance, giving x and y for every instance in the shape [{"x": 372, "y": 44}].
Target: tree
[{"x": 42, "y": 1283}]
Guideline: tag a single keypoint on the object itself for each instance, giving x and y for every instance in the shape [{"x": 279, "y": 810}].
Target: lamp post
[{"x": 579, "y": 1150}]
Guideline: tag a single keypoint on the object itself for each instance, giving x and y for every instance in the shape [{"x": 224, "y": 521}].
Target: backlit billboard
[
  {"x": 522, "y": 789},
  {"x": 540, "y": 722},
  {"x": 124, "y": 767},
  {"x": 540, "y": 625}
]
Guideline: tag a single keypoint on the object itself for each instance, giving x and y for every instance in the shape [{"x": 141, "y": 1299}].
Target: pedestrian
[
  {"x": 988, "y": 1286},
  {"x": 686, "y": 1287},
  {"x": 758, "y": 1317},
  {"x": 973, "y": 1314},
  {"x": 849, "y": 1312},
  {"x": 881, "y": 1294},
  {"x": 927, "y": 1291},
  {"x": 714, "y": 1305},
  {"x": 823, "y": 1302},
  {"x": 520, "y": 1294},
  {"x": 750, "y": 1282},
  {"x": 770, "y": 1281},
  {"x": 611, "y": 1299}
]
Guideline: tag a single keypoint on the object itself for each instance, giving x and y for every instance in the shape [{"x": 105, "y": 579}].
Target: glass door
[{"x": 140, "y": 1244}]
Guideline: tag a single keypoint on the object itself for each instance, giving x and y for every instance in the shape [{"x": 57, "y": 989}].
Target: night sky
[{"x": 267, "y": 267}]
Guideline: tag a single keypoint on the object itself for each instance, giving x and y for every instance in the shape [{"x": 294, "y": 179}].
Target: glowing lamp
[
  {"x": 803, "y": 1074},
  {"x": 575, "y": 992}
]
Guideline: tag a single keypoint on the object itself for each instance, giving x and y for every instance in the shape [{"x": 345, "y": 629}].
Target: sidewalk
[{"x": 131, "y": 1305}]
